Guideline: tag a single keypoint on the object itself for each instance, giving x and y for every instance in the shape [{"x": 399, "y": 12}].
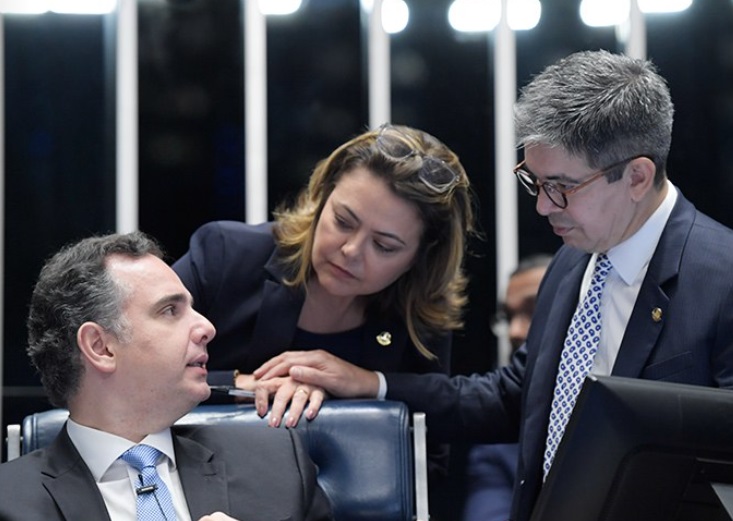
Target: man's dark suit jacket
[
  {"x": 264, "y": 475},
  {"x": 690, "y": 279}
]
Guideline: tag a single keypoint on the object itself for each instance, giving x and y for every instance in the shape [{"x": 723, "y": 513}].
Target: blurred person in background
[{"x": 490, "y": 469}]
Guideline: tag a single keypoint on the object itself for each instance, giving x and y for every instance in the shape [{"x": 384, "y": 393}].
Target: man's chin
[
  {"x": 200, "y": 393},
  {"x": 205, "y": 393}
]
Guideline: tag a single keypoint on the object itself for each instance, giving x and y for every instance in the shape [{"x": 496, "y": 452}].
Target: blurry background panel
[
  {"x": 58, "y": 185},
  {"x": 191, "y": 81},
  {"x": 59, "y": 181},
  {"x": 316, "y": 92}
]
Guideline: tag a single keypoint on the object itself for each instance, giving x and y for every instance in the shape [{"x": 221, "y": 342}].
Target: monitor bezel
[{"x": 617, "y": 421}]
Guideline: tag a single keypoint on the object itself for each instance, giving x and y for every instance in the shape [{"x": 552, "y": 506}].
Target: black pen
[{"x": 232, "y": 391}]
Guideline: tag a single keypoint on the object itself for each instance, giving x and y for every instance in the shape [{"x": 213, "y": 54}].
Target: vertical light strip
[
  {"x": 255, "y": 113},
  {"x": 2, "y": 210},
  {"x": 636, "y": 40},
  {"x": 380, "y": 101},
  {"x": 127, "y": 117},
  {"x": 505, "y": 84}
]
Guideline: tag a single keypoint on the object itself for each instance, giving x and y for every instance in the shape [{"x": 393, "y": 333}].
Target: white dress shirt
[
  {"x": 630, "y": 260},
  {"x": 116, "y": 479}
]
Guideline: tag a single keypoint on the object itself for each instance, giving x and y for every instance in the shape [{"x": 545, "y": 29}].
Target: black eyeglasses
[
  {"x": 558, "y": 192},
  {"x": 435, "y": 173}
]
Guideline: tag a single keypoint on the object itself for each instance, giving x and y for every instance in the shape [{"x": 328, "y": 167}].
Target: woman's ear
[
  {"x": 94, "y": 344},
  {"x": 641, "y": 178}
]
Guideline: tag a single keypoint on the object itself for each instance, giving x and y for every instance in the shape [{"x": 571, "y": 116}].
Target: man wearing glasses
[{"x": 642, "y": 287}]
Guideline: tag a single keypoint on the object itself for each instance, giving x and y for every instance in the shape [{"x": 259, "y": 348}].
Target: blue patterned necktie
[
  {"x": 576, "y": 359},
  {"x": 154, "y": 501}
]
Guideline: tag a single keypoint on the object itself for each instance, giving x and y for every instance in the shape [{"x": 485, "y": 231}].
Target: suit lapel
[
  {"x": 647, "y": 319},
  {"x": 276, "y": 320},
  {"x": 561, "y": 304},
  {"x": 70, "y": 483},
  {"x": 278, "y": 316},
  {"x": 204, "y": 480}
]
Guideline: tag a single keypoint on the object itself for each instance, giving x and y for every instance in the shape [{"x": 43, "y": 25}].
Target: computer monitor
[{"x": 641, "y": 450}]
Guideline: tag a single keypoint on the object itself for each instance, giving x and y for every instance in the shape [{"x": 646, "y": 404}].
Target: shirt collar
[
  {"x": 100, "y": 449},
  {"x": 630, "y": 257}
]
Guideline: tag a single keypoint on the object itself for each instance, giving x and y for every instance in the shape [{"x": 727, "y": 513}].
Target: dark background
[{"x": 60, "y": 126}]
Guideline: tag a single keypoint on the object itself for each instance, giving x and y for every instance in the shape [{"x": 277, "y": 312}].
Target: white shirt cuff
[{"x": 382, "y": 386}]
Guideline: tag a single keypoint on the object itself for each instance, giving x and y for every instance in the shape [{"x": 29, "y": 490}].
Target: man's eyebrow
[
  {"x": 175, "y": 298},
  {"x": 552, "y": 177},
  {"x": 560, "y": 177}
]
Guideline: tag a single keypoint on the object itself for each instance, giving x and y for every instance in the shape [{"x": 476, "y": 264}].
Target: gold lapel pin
[
  {"x": 656, "y": 314},
  {"x": 384, "y": 338}
]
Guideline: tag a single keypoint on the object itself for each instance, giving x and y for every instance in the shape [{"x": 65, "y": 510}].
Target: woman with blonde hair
[{"x": 366, "y": 264}]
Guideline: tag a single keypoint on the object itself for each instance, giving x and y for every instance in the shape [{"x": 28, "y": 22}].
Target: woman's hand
[
  {"x": 324, "y": 370},
  {"x": 286, "y": 391}
]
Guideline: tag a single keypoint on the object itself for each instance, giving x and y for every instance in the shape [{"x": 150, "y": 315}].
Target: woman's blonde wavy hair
[{"x": 430, "y": 296}]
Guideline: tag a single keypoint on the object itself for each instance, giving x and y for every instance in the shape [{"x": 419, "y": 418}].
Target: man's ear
[
  {"x": 94, "y": 344},
  {"x": 641, "y": 177}
]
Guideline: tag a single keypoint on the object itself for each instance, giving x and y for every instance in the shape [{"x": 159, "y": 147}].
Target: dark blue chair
[{"x": 370, "y": 456}]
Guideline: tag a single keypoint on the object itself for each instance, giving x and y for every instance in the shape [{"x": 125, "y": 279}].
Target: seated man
[{"x": 114, "y": 336}]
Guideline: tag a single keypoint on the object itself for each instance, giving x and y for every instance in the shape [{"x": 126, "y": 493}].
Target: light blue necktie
[
  {"x": 576, "y": 359},
  {"x": 154, "y": 501}
]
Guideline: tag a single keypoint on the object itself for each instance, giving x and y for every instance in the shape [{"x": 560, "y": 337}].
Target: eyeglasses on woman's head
[{"x": 434, "y": 172}]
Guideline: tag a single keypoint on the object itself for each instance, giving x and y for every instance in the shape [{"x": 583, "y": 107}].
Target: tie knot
[{"x": 141, "y": 456}]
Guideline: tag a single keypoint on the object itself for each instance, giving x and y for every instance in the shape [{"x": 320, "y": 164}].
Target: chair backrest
[{"x": 364, "y": 450}]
